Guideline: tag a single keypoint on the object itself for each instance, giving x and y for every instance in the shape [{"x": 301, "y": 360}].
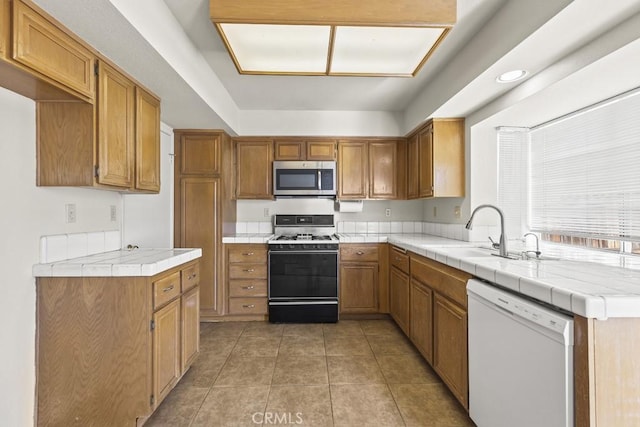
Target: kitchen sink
[{"x": 480, "y": 252}]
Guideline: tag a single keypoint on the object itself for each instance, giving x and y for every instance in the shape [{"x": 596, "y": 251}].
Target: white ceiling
[{"x": 176, "y": 52}]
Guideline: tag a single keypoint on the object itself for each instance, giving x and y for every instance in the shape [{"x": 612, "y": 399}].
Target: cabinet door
[
  {"x": 399, "y": 298},
  {"x": 425, "y": 163},
  {"x": 289, "y": 150},
  {"x": 422, "y": 319},
  {"x": 413, "y": 160},
  {"x": 147, "y": 141},
  {"x": 254, "y": 169},
  {"x": 116, "y": 96},
  {"x": 359, "y": 288},
  {"x": 200, "y": 153},
  {"x": 43, "y": 47},
  {"x": 5, "y": 28},
  {"x": 450, "y": 347},
  {"x": 199, "y": 223},
  {"x": 383, "y": 162},
  {"x": 190, "y": 327},
  {"x": 320, "y": 150},
  {"x": 166, "y": 350},
  {"x": 353, "y": 165}
]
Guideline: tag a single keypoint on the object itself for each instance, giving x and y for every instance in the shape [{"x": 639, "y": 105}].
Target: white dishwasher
[{"x": 520, "y": 361}]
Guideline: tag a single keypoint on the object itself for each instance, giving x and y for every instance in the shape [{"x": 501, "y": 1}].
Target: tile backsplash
[
  {"x": 66, "y": 246},
  {"x": 452, "y": 231}
]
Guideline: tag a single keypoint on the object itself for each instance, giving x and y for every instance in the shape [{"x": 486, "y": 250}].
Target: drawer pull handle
[
  {"x": 249, "y": 270},
  {"x": 247, "y": 253},
  {"x": 248, "y": 288},
  {"x": 395, "y": 248},
  {"x": 359, "y": 253},
  {"x": 168, "y": 288},
  {"x": 192, "y": 276},
  {"x": 249, "y": 306},
  {"x": 398, "y": 258}
]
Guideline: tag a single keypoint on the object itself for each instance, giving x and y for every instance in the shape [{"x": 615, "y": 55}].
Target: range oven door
[
  {"x": 303, "y": 286},
  {"x": 303, "y": 275}
]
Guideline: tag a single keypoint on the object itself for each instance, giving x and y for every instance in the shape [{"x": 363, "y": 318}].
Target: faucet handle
[{"x": 494, "y": 244}]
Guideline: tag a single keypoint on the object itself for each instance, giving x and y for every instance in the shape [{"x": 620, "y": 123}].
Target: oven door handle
[
  {"x": 271, "y": 252},
  {"x": 303, "y": 302}
]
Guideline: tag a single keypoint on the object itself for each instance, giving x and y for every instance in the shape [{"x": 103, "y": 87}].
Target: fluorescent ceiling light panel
[
  {"x": 262, "y": 48},
  {"x": 382, "y": 50}
]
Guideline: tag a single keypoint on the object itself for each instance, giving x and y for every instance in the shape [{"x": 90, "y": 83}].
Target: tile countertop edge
[
  {"x": 589, "y": 306},
  {"x": 164, "y": 259}
]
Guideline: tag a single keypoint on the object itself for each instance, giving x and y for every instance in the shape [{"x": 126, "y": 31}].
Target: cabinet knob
[
  {"x": 248, "y": 287},
  {"x": 398, "y": 258},
  {"x": 359, "y": 253},
  {"x": 192, "y": 276},
  {"x": 249, "y": 306},
  {"x": 168, "y": 288},
  {"x": 247, "y": 253},
  {"x": 249, "y": 270}
]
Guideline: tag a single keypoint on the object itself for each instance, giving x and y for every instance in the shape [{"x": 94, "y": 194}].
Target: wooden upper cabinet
[
  {"x": 5, "y": 28},
  {"x": 116, "y": 96},
  {"x": 435, "y": 160},
  {"x": 425, "y": 160},
  {"x": 147, "y": 141},
  {"x": 386, "y": 169},
  {"x": 353, "y": 167},
  {"x": 200, "y": 153},
  {"x": 412, "y": 167},
  {"x": 295, "y": 149},
  {"x": 46, "y": 48},
  {"x": 254, "y": 168}
]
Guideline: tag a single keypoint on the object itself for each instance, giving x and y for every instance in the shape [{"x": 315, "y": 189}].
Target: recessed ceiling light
[{"x": 511, "y": 76}]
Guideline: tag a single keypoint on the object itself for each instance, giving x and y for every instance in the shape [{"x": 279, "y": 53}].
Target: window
[{"x": 582, "y": 176}]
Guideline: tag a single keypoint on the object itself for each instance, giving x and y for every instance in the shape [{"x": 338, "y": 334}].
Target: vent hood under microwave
[{"x": 304, "y": 179}]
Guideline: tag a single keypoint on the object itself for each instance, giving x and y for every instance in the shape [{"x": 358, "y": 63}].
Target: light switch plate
[{"x": 70, "y": 210}]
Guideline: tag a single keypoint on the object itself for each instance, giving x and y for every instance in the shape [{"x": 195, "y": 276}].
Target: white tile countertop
[
  {"x": 588, "y": 289},
  {"x": 120, "y": 263},
  {"x": 248, "y": 238}
]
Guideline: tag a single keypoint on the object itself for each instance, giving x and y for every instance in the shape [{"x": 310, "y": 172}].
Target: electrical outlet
[
  {"x": 266, "y": 212},
  {"x": 435, "y": 211},
  {"x": 387, "y": 212},
  {"x": 456, "y": 212},
  {"x": 113, "y": 213},
  {"x": 71, "y": 212}
]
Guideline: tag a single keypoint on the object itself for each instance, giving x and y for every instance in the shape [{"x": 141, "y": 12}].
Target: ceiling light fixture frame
[{"x": 439, "y": 15}]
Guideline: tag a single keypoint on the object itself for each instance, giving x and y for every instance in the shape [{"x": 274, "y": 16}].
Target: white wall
[
  {"x": 29, "y": 212},
  {"x": 148, "y": 218}
]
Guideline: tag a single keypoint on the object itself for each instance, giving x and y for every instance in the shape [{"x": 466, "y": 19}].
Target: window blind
[
  {"x": 512, "y": 179},
  {"x": 585, "y": 172}
]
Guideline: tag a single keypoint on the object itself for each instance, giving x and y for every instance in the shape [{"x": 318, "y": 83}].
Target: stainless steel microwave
[{"x": 304, "y": 179}]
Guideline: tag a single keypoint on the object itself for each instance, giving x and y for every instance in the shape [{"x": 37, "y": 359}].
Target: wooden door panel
[
  {"x": 41, "y": 46},
  {"x": 422, "y": 319},
  {"x": 425, "y": 170},
  {"x": 115, "y": 127},
  {"x": 352, "y": 170},
  {"x": 199, "y": 213},
  {"x": 399, "y": 299},
  {"x": 413, "y": 160},
  {"x": 166, "y": 345},
  {"x": 383, "y": 161},
  {"x": 358, "y": 288},
  {"x": 147, "y": 141},
  {"x": 317, "y": 150},
  {"x": 254, "y": 171},
  {"x": 190, "y": 327},
  {"x": 289, "y": 150},
  {"x": 200, "y": 154}
]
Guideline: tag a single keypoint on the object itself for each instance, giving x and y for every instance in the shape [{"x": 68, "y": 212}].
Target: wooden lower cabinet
[
  {"x": 450, "y": 346},
  {"x": 166, "y": 350},
  {"x": 399, "y": 298},
  {"x": 190, "y": 314},
  {"x": 358, "y": 288},
  {"x": 247, "y": 280},
  {"x": 422, "y": 319},
  {"x": 109, "y": 349}
]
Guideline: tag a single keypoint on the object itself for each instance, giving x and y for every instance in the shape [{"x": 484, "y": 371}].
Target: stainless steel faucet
[
  {"x": 537, "y": 251},
  {"x": 502, "y": 245}
]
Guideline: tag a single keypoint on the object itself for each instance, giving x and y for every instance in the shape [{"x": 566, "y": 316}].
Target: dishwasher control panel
[{"x": 523, "y": 308}]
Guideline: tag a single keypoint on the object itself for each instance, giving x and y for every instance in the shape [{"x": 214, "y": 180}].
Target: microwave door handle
[{"x": 319, "y": 180}]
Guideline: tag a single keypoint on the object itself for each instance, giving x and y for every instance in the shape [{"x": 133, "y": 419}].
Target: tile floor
[{"x": 353, "y": 373}]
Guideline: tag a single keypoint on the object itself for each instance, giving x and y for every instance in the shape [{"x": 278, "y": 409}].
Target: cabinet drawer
[
  {"x": 359, "y": 253},
  {"x": 248, "y": 288},
  {"x": 441, "y": 278},
  {"x": 45, "y": 48},
  {"x": 247, "y": 306},
  {"x": 190, "y": 277},
  {"x": 247, "y": 271},
  {"x": 247, "y": 253},
  {"x": 399, "y": 259},
  {"x": 166, "y": 289}
]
